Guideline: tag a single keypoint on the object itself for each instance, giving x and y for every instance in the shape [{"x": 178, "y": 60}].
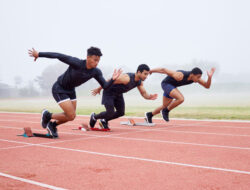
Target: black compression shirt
[
  {"x": 77, "y": 72},
  {"x": 184, "y": 81}
]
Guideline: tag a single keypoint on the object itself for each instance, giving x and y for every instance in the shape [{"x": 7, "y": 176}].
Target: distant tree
[
  {"x": 18, "y": 81},
  {"x": 49, "y": 76},
  {"x": 5, "y": 90},
  {"x": 29, "y": 90}
]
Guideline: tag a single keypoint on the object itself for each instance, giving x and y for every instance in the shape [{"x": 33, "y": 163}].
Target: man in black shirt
[
  {"x": 63, "y": 90},
  {"x": 169, "y": 86},
  {"x": 112, "y": 97}
]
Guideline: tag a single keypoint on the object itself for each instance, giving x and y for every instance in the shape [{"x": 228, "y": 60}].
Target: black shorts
[
  {"x": 113, "y": 100},
  {"x": 62, "y": 95}
]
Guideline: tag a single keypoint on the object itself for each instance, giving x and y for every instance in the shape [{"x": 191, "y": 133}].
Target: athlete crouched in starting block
[
  {"x": 113, "y": 100},
  {"x": 63, "y": 90}
]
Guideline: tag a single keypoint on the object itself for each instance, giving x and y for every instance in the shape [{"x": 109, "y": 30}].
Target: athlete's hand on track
[
  {"x": 210, "y": 74},
  {"x": 153, "y": 96},
  {"x": 96, "y": 91},
  {"x": 33, "y": 53},
  {"x": 116, "y": 74}
]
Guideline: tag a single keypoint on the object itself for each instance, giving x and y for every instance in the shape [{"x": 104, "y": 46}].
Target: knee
[
  {"x": 181, "y": 100},
  {"x": 110, "y": 110},
  {"x": 110, "y": 113},
  {"x": 121, "y": 113},
  {"x": 71, "y": 116},
  {"x": 164, "y": 106}
]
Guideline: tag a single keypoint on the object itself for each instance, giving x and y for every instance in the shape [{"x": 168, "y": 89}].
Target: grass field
[{"x": 87, "y": 105}]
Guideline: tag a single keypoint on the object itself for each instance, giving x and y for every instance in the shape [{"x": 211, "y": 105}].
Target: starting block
[
  {"x": 131, "y": 122},
  {"x": 85, "y": 127},
  {"x": 28, "y": 133}
]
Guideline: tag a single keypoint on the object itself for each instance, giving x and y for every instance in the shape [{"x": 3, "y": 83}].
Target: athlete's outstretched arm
[
  {"x": 72, "y": 61},
  {"x": 106, "y": 84},
  {"x": 176, "y": 75},
  {"x": 207, "y": 83},
  {"x": 144, "y": 93}
]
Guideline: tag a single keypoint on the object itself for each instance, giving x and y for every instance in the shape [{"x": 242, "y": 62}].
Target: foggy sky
[{"x": 131, "y": 32}]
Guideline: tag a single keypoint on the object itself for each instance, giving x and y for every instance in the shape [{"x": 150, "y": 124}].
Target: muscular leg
[
  {"x": 120, "y": 108},
  {"x": 165, "y": 102},
  {"x": 110, "y": 111},
  {"x": 69, "y": 114},
  {"x": 179, "y": 98}
]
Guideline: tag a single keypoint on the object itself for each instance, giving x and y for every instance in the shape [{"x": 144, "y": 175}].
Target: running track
[{"x": 181, "y": 154}]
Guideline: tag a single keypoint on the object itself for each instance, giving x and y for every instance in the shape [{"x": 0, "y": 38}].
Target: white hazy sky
[{"x": 129, "y": 32}]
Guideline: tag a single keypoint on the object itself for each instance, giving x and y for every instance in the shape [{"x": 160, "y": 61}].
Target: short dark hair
[
  {"x": 94, "y": 51},
  {"x": 143, "y": 67},
  {"x": 196, "y": 71}
]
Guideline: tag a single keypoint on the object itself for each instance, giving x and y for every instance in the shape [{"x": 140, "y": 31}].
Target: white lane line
[
  {"x": 57, "y": 141},
  {"x": 90, "y": 136},
  {"x": 179, "y": 119},
  {"x": 205, "y": 133},
  {"x": 31, "y": 182},
  {"x": 143, "y": 159},
  {"x": 12, "y": 147},
  {"x": 155, "y": 161},
  {"x": 200, "y": 124},
  {"x": 182, "y": 143},
  {"x": 167, "y": 130}
]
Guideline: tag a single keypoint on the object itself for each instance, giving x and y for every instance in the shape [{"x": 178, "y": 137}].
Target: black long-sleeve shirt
[{"x": 77, "y": 72}]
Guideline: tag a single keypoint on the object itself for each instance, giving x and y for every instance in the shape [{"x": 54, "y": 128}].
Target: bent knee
[
  {"x": 121, "y": 113},
  {"x": 181, "y": 100},
  {"x": 164, "y": 106},
  {"x": 111, "y": 113},
  {"x": 71, "y": 116}
]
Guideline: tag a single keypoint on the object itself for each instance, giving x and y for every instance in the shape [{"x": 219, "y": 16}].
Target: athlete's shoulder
[
  {"x": 82, "y": 63},
  {"x": 182, "y": 71},
  {"x": 97, "y": 71},
  {"x": 130, "y": 74}
]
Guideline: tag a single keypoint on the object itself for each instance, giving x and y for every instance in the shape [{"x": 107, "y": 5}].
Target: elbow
[
  {"x": 144, "y": 95},
  {"x": 163, "y": 70},
  {"x": 105, "y": 87}
]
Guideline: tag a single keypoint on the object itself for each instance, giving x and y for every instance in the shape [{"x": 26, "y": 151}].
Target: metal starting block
[
  {"x": 28, "y": 133},
  {"x": 131, "y": 122}
]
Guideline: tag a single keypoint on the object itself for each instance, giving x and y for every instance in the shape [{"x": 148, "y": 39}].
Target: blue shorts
[{"x": 167, "y": 88}]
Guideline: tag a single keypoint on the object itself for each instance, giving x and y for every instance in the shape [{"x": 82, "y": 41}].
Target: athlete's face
[
  {"x": 143, "y": 75},
  {"x": 196, "y": 78},
  {"x": 92, "y": 61}
]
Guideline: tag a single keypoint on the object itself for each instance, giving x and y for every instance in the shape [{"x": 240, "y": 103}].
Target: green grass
[
  {"x": 89, "y": 105},
  {"x": 231, "y": 113}
]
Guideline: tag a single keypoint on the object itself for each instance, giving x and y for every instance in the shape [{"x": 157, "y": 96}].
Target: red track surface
[{"x": 181, "y": 154}]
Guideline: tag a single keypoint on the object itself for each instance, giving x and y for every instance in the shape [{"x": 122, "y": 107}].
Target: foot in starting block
[
  {"x": 28, "y": 133},
  {"x": 131, "y": 122},
  {"x": 85, "y": 127}
]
